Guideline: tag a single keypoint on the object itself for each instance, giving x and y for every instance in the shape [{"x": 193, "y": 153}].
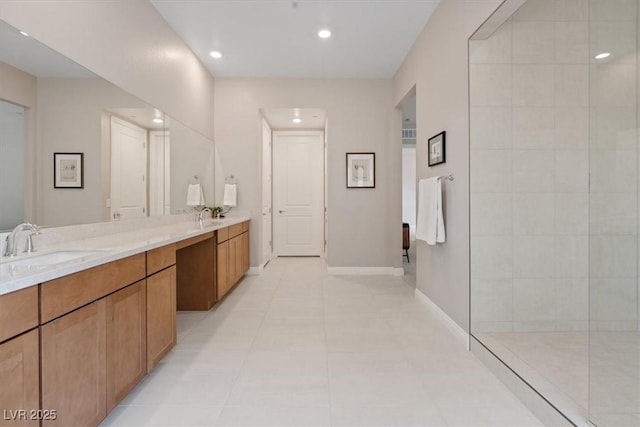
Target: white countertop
[{"x": 16, "y": 274}]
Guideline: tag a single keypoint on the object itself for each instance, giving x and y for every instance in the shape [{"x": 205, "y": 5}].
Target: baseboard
[
  {"x": 255, "y": 271},
  {"x": 365, "y": 271},
  {"x": 460, "y": 334}
]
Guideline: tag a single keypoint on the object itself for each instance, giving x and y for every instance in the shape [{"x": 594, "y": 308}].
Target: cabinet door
[
  {"x": 233, "y": 261},
  {"x": 239, "y": 257},
  {"x": 222, "y": 265},
  {"x": 74, "y": 367},
  {"x": 161, "y": 315},
  {"x": 20, "y": 380},
  {"x": 245, "y": 253},
  {"x": 126, "y": 341}
]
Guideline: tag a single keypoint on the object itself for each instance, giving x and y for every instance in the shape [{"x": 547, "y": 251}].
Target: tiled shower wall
[
  {"x": 529, "y": 171},
  {"x": 535, "y": 136}
]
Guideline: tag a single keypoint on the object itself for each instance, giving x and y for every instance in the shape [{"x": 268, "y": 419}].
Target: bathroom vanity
[{"x": 77, "y": 336}]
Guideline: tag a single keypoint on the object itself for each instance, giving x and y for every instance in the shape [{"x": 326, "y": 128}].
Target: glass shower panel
[
  {"x": 614, "y": 341},
  {"x": 529, "y": 196}
]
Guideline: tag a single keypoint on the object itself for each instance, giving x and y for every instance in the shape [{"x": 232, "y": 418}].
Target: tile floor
[
  {"x": 575, "y": 369},
  {"x": 554, "y": 363},
  {"x": 296, "y": 347}
]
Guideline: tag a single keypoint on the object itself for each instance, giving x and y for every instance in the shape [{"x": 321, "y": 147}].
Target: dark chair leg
[{"x": 406, "y": 253}]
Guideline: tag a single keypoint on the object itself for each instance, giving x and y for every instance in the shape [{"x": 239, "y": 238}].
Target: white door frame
[
  {"x": 159, "y": 179},
  {"x": 267, "y": 193},
  {"x": 318, "y": 203}
]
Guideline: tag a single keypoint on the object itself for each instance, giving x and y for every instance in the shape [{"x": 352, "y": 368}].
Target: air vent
[{"x": 408, "y": 134}]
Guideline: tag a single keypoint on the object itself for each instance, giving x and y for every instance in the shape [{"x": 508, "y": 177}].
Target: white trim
[
  {"x": 460, "y": 334},
  {"x": 364, "y": 271}
]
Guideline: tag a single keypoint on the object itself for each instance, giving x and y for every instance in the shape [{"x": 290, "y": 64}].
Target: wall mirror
[{"x": 136, "y": 161}]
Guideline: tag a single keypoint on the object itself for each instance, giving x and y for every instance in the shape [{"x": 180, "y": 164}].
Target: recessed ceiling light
[
  {"x": 603, "y": 55},
  {"x": 297, "y": 120},
  {"x": 215, "y": 54},
  {"x": 24, "y": 34},
  {"x": 157, "y": 120},
  {"x": 324, "y": 34}
]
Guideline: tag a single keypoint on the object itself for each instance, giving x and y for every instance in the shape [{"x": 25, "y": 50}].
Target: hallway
[{"x": 296, "y": 347}]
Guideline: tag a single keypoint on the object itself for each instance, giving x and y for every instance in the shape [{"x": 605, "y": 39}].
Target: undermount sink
[{"x": 50, "y": 258}]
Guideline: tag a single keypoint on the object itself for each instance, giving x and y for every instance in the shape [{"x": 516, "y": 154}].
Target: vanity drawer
[
  {"x": 67, "y": 293},
  {"x": 18, "y": 312},
  {"x": 245, "y": 226},
  {"x": 160, "y": 258},
  {"x": 223, "y": 234},
  {"x": 235, "y": 230}
]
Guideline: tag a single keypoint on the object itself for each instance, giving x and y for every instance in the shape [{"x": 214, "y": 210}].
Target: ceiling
[
  {"x": 278, "y": 38},
  {"x": 32, "y": 57},
  {"x": 143, "y": 117},
  {"x": 282, "y": 118}
]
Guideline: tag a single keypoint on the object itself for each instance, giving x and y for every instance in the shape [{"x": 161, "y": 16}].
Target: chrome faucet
[
  {"x": 200, "y": 215},
  {"x": 11, "y": 248}
]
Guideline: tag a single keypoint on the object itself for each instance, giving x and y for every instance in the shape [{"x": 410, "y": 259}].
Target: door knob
[{"x": 281, "y": 211}]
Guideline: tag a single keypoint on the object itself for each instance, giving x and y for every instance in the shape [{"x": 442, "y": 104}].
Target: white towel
[
  {"x": 195, "y": 196},
  {"x": 230, "y": 195},
  {"x": 430, "y": 226}
]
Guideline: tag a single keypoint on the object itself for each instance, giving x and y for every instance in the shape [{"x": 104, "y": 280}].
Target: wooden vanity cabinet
[
  {"x": 161, "y": 303},
  {"x": 18, "y": 312},
  {"x": 92, "y": 340},
  {"x": 19, "y": 357},
  {"x": 74, "y": 369},
  {"x": 126, "y": 324},
  {"x": 232, "y": 258},
  {"x": 20, "y": 379},
  {"x": 222, "y": 269},
  {"x": 161, "y": 315}
]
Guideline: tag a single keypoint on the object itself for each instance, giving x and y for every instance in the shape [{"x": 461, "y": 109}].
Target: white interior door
[
  {"x": 298, "y": 193},
  {"x": 266, "y": 192},
  {"x": 159, "y": 173},
  {"x": 128, "y": 170}
]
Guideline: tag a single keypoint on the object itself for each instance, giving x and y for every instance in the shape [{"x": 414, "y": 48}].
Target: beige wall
[
  {"x": 438, "y": 66},
  {"x": 128, "y": 43},
  {"x": 359, "y": 113}
]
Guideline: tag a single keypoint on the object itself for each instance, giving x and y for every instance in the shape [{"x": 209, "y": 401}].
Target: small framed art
[
  {"x": 437, "y": 149},
  {"x": 361, "y": 170},
  {"x": 68, "y": 170}
]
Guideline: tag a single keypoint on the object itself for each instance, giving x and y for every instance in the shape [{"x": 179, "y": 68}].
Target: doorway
[
  {"x": 128, "y": 170},
  {"x": 298, "y": 193},
  {"x": 409, "y": 207}
]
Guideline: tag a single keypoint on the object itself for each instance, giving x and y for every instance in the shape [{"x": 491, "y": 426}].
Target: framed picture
[
  {"x": 361, "y": 170},
  {"x": 437, "y": 149},
  {"x": 68, "y": 170}
]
